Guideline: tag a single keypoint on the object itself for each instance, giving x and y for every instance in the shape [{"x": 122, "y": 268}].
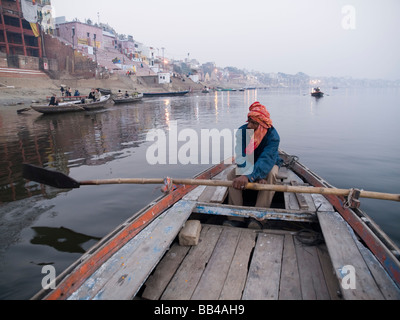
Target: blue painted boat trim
[{"x": 258, "y": 214}]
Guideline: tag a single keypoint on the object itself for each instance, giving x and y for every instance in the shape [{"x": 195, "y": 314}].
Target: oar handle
[
  {"x": 121, "y": 181},
  {"x": 250, "y": 186}
]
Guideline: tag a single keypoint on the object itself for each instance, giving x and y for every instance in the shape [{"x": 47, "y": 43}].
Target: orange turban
[{"x": 258, "y": 113}]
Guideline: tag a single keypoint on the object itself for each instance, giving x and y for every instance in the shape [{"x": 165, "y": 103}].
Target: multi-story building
[
  {"x": 127, "y": 46},
  {"x": 20, "y": 34},
  {"x": 80, "y": 35}
]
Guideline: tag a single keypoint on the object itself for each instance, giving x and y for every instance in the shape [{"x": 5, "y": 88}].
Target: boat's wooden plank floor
[
  {"x": 124, "y": 273},
  {"x": 235, "y": 263}
]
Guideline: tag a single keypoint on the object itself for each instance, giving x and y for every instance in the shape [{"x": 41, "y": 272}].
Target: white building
[
  {"x": 164, "y": 77},
  {"x": 195, "y": 78}
]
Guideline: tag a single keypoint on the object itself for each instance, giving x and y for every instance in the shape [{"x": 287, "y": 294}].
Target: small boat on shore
[
  {"x": 129, "y": 99},
  {"x": 313, "y": 243},
  {"x": 225, "y": 89},
  {"x": 316, "y": 92},
  {"x": 165, "y": 94},
  {"x": 72, "y": 106}
]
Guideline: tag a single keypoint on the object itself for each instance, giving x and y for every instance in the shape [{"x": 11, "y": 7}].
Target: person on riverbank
[{"x": 257, "y": 161}]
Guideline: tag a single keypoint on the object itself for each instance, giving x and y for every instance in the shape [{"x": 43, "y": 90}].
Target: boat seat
[
  {"x": 348, "y": 256},
  {"x": 211, "y": 194},
  {"x": 282, "y": 174},
  {"x": 295, "y": 201}
]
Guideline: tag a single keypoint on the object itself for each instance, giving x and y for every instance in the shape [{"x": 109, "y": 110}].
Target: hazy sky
[{"x": 357, "y": 38}]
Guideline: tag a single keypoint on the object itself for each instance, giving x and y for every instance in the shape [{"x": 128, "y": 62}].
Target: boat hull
[
  {"x": 318, "y": 94},
  {"x": 128, "y": 100},
  {"x": 165, "y": 94},
  {"x": 71, "y": 106}
]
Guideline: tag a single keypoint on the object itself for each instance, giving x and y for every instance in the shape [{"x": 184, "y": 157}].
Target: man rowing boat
[{"x": 258, "y": 161}]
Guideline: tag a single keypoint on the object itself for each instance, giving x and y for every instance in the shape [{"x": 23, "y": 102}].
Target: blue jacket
[{"x": 265, "y": 157}]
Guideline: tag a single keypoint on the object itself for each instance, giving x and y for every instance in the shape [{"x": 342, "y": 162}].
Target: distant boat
[
  {"x": 224, "y": 89},
  {"x": 317, "y": 93},
  {"x": 129, "y": 99},
  {"x": 165, "y": 94}
]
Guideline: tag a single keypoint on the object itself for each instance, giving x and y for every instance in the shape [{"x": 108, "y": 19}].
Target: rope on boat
[
  {"x": 290, "y": 162},
  {"x": 168, "y": 185},
  {"x": 352, "y": 199}
]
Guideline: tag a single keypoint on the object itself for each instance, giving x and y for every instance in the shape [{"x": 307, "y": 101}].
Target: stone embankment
[{"x": 23, "y": 90}]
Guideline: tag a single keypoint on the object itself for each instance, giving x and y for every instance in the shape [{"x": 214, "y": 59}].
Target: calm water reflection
[{"x": 349, "y": 137}]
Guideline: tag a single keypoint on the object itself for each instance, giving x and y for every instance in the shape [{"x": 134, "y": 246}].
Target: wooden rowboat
[
  {"x": 316, "y": 92},
  {"x": 129, "y": 99},
  {"x": 72, "y": 106},
  {"x": 165, "y": 94},
  {"x": 307, "y": 246}
]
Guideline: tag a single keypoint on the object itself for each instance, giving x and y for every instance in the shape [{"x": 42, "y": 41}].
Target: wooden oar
[{"x": 59, "y": 180}]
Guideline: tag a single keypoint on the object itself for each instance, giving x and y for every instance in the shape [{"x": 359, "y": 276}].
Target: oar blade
[
  {"x": 51, "y": 178},
  {"x": 23, "y": 110}
]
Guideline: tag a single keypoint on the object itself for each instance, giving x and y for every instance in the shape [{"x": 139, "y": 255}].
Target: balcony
[
  {"x": 13, "y": 29},
  {"x": 10, "y": 12}
]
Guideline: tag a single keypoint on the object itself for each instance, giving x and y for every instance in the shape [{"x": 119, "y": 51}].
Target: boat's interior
[{"x": 300, "y": 248}]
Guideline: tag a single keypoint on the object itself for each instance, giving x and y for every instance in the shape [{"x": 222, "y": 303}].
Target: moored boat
[
  {"x": 129, "y": 99},
  {"x": 225, "y": 89},
  {"x": 72, "y": 106},
  {"x": 165, "y": 94},
  {"x": 308, "y": 245}
]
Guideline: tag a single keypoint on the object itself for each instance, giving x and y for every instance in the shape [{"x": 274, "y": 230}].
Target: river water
[{"x": 350, "y": 138}]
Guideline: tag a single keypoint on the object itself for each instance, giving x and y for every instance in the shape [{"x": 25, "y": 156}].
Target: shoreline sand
[{"x": 25, "y": 91}]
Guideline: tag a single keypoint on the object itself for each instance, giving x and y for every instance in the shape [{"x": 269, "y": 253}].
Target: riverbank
[{"x": 24, "y": 91}]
